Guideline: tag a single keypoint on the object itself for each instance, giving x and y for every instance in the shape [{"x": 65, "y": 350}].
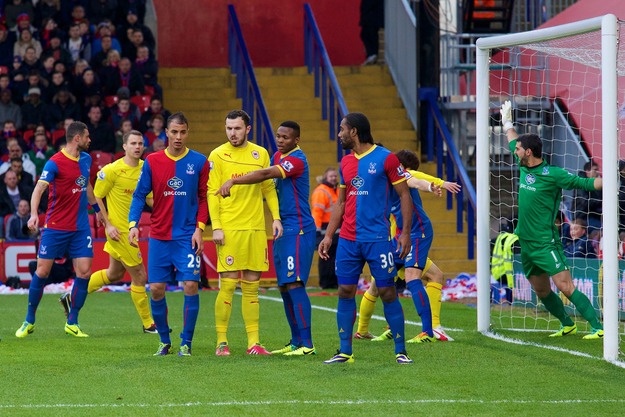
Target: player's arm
[
  {"x": 40, "y": 188},
  {"x": 268, "y": 188},
  {"x": 598, "y": 183},
  {"x": 452, "y": 187},
  {"x": 214, "y": 201},
  {"x": 507, "y": 122},
  {"x": 202, "y": 213},
  {"x": 254, "y": 177},
  {"x": 335, "y": 221},
  {"x": 111, "y": 231},
  {"x": 144, "y": 186},
  {"x": 406, "y": 211}
]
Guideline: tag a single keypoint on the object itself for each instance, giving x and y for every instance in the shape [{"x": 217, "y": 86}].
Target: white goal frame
[{"x": 608, "y": 26}]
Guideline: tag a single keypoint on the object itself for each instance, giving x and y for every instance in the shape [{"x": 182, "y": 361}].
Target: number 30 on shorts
[
  {"x": 194, "y": 261},
  {"x": 386, "y": 260}
]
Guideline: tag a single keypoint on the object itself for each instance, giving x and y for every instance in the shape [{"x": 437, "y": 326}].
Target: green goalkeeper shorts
[{"x": 542, "y": 257}]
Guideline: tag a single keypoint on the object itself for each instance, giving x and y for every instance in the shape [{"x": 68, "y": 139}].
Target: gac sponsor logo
[{"x": 174, "y": 183}]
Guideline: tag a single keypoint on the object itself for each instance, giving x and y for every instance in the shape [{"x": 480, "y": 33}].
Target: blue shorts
[
  {"x": 292, "y": 257},
  {"x": 57, "y": 243},
  {"x": 169, "y": 257},
  {"x": 351, "y": 257},
  {"x": 418, "y": 255}
]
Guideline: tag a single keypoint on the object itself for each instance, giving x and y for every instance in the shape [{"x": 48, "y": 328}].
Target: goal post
[{"x": 487, "y": 104}]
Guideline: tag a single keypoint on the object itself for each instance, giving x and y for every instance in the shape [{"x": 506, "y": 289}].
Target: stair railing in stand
[
  {"x": 333, "y": 106},
  {"x": 438, "y": 132},
  {"x": 247, "y": 86}
]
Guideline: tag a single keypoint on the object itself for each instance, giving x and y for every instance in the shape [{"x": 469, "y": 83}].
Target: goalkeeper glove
[{"x": 506, "y": 116}]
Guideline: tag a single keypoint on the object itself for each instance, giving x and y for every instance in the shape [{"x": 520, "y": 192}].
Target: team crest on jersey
[
  {"x": 229, "y": 260},
  {"x": 372, "y": 170},
  {"x": 101, "y": 175},
  {"x": 190, "y": 169},
  {"x": 286, "y": 165},
  {"x": 43, "y": 250},
  {"x": 357, "y": 182},
  {"x": 545, "y": 170},
  {"x": 211, "y": 165},
  {"x": 81, "y": 181},
  {"x": 530, "y": 179},
  {"x": 174, "y": 183},
  {"x": 255, "y": 155}
]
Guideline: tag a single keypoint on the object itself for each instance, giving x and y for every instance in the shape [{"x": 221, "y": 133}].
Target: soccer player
[
  {"x": 367, "y": 176},
  {"x": 66, "y": 227},
  {"x": 431, "y": 275},
  {"x": 293, "y": 252},
  {"x": 239, "y": 229},
  {"x": 178, "y": 178},
  {"x": 542, "y": 255},
  {"x": 116, "y": 182}
]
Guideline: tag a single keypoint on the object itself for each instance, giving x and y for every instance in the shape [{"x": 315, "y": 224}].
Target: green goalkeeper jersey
[{"x": 540, "y": 193}]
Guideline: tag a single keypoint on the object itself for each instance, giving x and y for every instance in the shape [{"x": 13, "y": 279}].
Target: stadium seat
[
  {"x": 28, "y": 136},
  {"x": 57, "y": 135},
  {"x": 119, "y": 155},
  {"x": 142, "y": 102},
  {"x": 98, "y": 160},
  {"x": 149, "y": 90},
  {"x": 4, "y": 69},
  {"x": 110, "y": 101}
]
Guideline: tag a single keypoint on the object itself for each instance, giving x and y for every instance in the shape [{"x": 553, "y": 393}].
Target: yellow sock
[
  {"x": 98, "y": 280},
  {"x": 251, "y": 310},
  {"x": 367, "y": 305},
  {"x": 223, "y": 307},
  {"x": 435, "y": 291},
  {"x": 140, "y": 300}
]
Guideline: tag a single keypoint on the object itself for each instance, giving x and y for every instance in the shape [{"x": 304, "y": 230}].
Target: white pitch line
[{"x": 314, "y": 402}]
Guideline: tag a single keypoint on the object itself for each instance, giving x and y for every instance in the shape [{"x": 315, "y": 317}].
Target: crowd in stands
[{"x": 67, "y": 60}]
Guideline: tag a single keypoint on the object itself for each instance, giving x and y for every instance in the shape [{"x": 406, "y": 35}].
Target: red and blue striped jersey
[
  {"x": 368, "y": 179},
  {"x": 179, "y": 185},
  {"x": 67, "y": 178},
  {"x": 293, "y": 191}
]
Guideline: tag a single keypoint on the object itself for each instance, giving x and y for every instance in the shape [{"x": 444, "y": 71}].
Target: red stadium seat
[
  {"x": 119, "y": 155},
  {"x": 4, "y": 69},
  {"x": 110, "y": 101},
  {"x": 98, "y": 160},
  {"x": 28, "y": 136},
  {"x": 57, "y": 135},
  {"x": 142, "y": 102},
  {"x": 149, "y": 90}
]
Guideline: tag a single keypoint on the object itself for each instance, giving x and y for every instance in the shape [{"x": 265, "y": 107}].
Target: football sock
[
  {"x": 394, "y": 315},
  {"x": 79, "y": 295},
  {"x": 290, "y": 318},
  {"x": 223, "y": 307},
  {"x": 435, "y": 293},
  {"x": 367, "y": 306},
  {"x": 189, "y": 318},
  {"x": 98, "y": 280},
  {"x": 159, "y": 313},
  {"x": 554, "y": 305},
  {"x": 140, "y": 300},
  {"x": 35, "y": 293},
  {"x": 422, "y": 304},
  {"x": 345, "y": 318},
  {"x": 250, "y": 310},
  {"x": 585, "y": 308},
  {"x": 302, "y": 309}
]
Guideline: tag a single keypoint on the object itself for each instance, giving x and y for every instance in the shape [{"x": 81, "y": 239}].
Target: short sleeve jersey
[
  {"x": 421, "y": 224},
  {"x": 243, "y": 210},
  {"x": 117, "y": 182},
  {"x": 293, "y": 190},
  {"x": 67, "y": 178},
  {"x": 179, "y": 185},
  {"x": 368, "y": 179},
  {"x": 540, "y": 193}
]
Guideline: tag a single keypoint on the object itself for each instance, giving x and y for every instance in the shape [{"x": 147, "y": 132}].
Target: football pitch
[{"x": 113, "y": 372}]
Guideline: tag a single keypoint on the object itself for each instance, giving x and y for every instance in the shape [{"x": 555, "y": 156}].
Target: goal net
[{"x": 565, "y": 84}]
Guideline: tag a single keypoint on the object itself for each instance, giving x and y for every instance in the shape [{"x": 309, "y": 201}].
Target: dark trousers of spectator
[
  {"x": 369, "y": 36},
  {"x": 327, "y": 273}
]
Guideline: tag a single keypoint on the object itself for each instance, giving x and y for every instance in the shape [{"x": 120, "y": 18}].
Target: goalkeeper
[{"x": 542, "y": 256}]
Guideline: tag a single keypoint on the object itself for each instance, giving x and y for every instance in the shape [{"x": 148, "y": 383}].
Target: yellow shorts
[
  {"x": 243, "y": 250},
  {"x": 121, "y": 250},
  {"x": 401, "y": 272}
]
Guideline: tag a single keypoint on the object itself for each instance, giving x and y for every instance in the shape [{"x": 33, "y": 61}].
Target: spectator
[
  {"x": 147, "y": 66},
  {"x": 102, "y": 10},
  {"x": 88, "y": 86},
  {"x": 11, "y": 193},
  {"x": 23, "y": 178},
  {"x": 132, "y": 23},
  {"x": 30, "y": 63},
  {"x": 24, "y": 41},
  {"x": 15, "y": 152},
  {"x": 125, "y": 127},
  {"x": 5, "y": 82},
  {"x": 17, "y": 224},
  {"x": 46, "y": 11},
  {"x": 98, "y": 60},
  {"x": 108, "y": 68},
  {"x": 10, "y": 134},
  {"x": 124, "y": 76},
  {"x": 76, "y": 45},
  {"x": 16, "y": 8},
  {"x": 47, "y": 67},
  {"x": 41, "y": 152},
  {"x": 72, "y": 11},
  {"x": 127, "y": 5},
  {"x": 33, "y": 110},
  {"x": 578, "y": 245},
  {"x": 323, "y": 199},
  {"x": 124, "y": 109},
  {"x": 371, "y": 20},
  {"x": 157, "y": 145},
  {"x": 101, "y": 133},
  {"x": 587, "y": 204},
  {"x": 58, "y": 83},
  {"x": 48, "y": 28},
  {"x": 23, "y": 89},
  {"x": 105, "y": 29},
  {"x": 56, "y": 50},
  {"x": 79, "y": 67},
  {"x": 7, "y": 42},
  {"x": 63, "y": 106},
  {"x": 156, "y": 107},
  {"x": 9, "y": 111},
  {"x": 157, "y": 129}
]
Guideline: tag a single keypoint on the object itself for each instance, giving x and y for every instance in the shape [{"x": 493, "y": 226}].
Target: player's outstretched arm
[
  {"x": 507, "y": 122},
  {"x": 254, "y": 177}
]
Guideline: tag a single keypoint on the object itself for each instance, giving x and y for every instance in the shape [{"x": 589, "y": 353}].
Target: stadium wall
[{"x": 195, "y": 33}]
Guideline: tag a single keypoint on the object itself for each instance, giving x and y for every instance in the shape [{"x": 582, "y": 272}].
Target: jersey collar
[
  {"x": 362, "y": 155},
  {"x": 177, "y": 158}
]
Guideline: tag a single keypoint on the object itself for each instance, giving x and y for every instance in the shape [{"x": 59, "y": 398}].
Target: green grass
[{"x": 113, "y": 372}]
